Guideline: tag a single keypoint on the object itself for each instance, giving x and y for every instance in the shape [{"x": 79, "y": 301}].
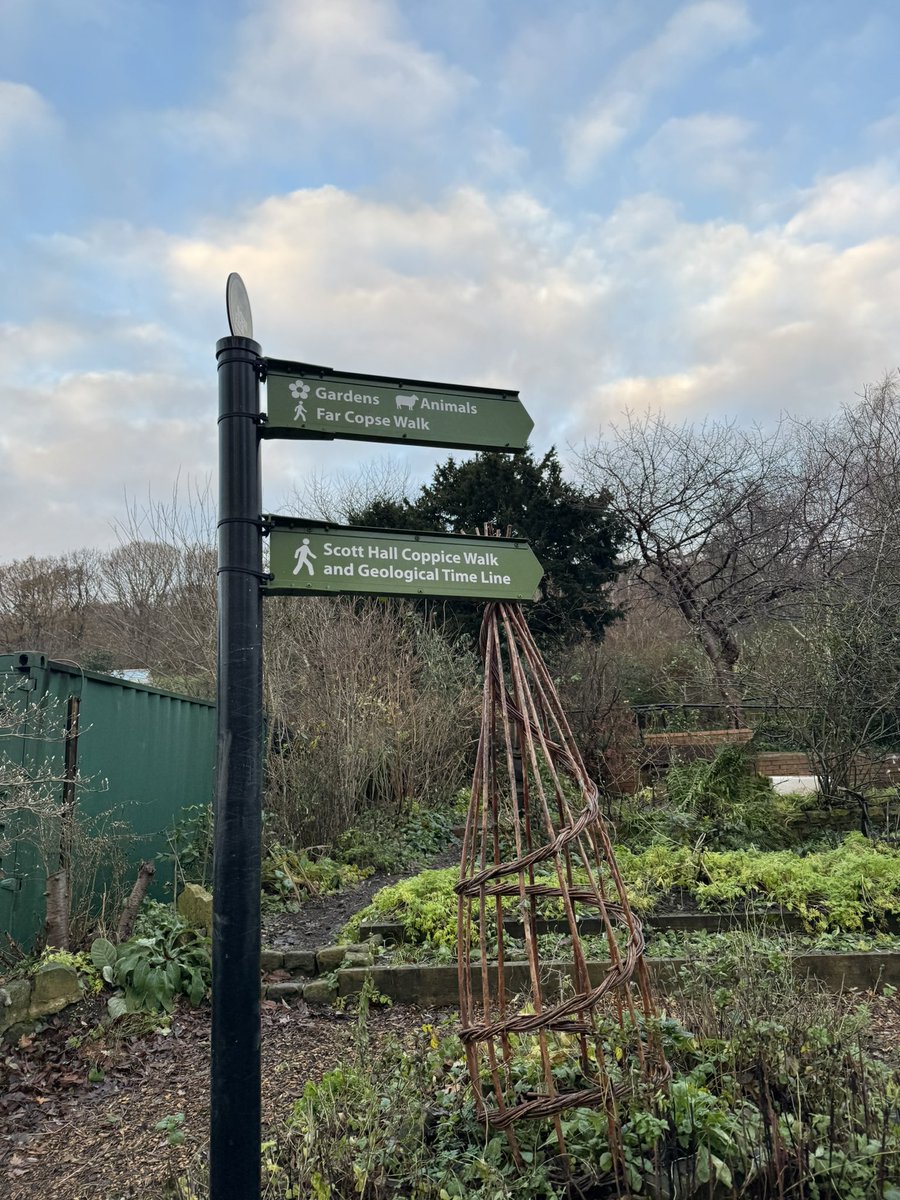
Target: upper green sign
[
  {"x": 312, "y": 557},
  {"x": 306, "y": 401}
]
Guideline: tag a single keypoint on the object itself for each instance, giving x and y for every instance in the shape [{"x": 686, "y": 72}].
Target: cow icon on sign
[{"x": 406, "y": 402}]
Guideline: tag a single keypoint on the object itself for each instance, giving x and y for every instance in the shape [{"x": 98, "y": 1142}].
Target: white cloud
[
  {"x": 707, "y": 150},
  {"x": 70, "y": 453},
  {"x": 862, "y": 202},
  {"x": 694, "y": 34},
  {"x": 302, "y": 67},
  {"x": 24, "y": 113},
  {"x": 642, "y": 307}
]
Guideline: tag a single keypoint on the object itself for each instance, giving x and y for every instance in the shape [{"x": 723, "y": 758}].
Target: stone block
[
  {"x": 300, "y": 961},
  {"x": 330, "y": 957},
  {"x": 320, "y": 991},
  {"x": 195, "y": 905},
  {"x": 54, "y": 987},
  {"x": 283, "y": 991},
  {"x": 271, "y": 960},
  {"x": 15, "y": 1001},
  {"x": 358, "y": 958}
]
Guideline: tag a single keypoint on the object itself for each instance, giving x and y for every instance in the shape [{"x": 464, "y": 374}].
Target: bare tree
[
  {"x": 727, "y": 525},
  {"x": 835, "y": 668},
  {"x": 160, "y": 588},
  {"x": 47, "y": 603},
  {"x": 336, "y": 497}
]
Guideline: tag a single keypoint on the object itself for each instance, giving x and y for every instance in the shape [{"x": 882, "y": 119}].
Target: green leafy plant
[
  {"x": 720, "y": 803},
  {"x": 773, "y": 1088},
  {"x": 171, "y": 1126},
  {"x": 189, "y": 846},
  {"x": 88, "y": 975},
  {"x": 382, "y": 845},
  {"x": 291, "y": 876},
  {"x": 852, "y": 887},
  {"x": 166, "y": 958}
]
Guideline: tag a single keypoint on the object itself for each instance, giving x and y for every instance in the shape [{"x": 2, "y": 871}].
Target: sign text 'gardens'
[{"x": 304, "y": 401}]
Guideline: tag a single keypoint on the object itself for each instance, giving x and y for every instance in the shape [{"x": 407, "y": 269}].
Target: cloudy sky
[{"x": 605, "y": 204}]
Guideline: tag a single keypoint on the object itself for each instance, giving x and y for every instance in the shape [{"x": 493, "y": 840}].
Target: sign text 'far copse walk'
[
  {"x": 314, "y": 557},
  {"x": 307, "y": 401}
]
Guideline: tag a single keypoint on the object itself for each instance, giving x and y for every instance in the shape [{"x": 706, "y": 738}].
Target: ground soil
[
  {"x": 319, "y": 920},
  {"x": 65, "y": 1138},
  {"x": 79, "y": 1101}
]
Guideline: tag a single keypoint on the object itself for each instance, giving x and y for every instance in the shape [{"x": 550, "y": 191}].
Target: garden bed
[
  {"x": 685, "y": 920},
  {"x": 438, "y": 985}
]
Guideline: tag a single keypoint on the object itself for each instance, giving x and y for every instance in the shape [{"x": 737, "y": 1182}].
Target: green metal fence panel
[{"x": 143, "y": 755}]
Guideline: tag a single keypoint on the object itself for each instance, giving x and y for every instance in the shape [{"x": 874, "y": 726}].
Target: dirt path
[
  {"x": 64, "y": 1138},
  {"x": 320, "y": 920}
]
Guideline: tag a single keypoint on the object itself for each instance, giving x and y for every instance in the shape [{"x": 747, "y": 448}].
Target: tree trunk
[
  {"x": 56, "y": 926},
  {"x": 723, "y": 658},
  {"x": 133, "y": 903}
]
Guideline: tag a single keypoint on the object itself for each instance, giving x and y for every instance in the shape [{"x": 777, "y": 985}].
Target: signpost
[
  {"x": 306, "y": 401},
  {"x": 314, "y": 557},
  {"x": 235, "y": 1043},
  {"x": 307, "y": 558}
]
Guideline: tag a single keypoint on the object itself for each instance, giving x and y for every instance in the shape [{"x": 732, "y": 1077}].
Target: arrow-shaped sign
[
  {"x": 305, "y": 401},
  {"x": 313, "y": 557}
]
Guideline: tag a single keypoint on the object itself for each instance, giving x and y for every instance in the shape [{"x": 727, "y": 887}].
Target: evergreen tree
[{"x": 573, "y": 534}]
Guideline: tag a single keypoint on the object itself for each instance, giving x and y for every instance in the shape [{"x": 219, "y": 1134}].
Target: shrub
[
  {"x": 717, "y": 802},
  {"x": 759, "y": 1105},
  {"x": 370, "y": 709},
  {"x": 855, "y": 885},
  {"x": 166, "y": 958}
]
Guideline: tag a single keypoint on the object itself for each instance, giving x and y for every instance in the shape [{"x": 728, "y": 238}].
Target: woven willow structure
[{"x": 536, "y": 851}]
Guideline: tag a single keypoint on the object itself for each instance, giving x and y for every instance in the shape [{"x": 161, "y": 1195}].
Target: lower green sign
[{"x": 313, "y": 557}]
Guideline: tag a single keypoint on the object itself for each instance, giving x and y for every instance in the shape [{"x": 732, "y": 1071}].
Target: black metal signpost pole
[{"x": 235, "y": 1051}]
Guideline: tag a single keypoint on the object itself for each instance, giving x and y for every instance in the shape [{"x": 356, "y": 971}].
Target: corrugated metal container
[{"x": 140, "y": 757}]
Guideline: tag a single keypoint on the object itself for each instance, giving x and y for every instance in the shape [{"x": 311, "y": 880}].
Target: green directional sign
[
  {"x": 312, "y": 557},
  {"x": 306, "y": 401}
]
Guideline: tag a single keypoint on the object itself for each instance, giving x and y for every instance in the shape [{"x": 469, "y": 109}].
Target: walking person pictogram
[
  {"x": 303, "y": 554},
  {"x": 299, "y": 390}
]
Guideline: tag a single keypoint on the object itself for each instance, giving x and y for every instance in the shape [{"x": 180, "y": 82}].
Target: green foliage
[
  {"x": 171, "y": 1127},
  {"x": 772, "y": 1089},
  {"x": 190, "y": 845},
  {"x": 383, "y": 846},
  {"x": 853, "y": 886},
  {"x": 291, "y": 876},
  {"x": 166, "y": 958},
  {"x": 574, "y": 535},
  {"x": 88, "y": 974},
  {"x": 717, "y": 802},
  {"x": 424, "y": 904}
]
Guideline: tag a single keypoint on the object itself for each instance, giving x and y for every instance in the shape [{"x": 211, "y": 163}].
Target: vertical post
[{"x": 235, "y": 1051}]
